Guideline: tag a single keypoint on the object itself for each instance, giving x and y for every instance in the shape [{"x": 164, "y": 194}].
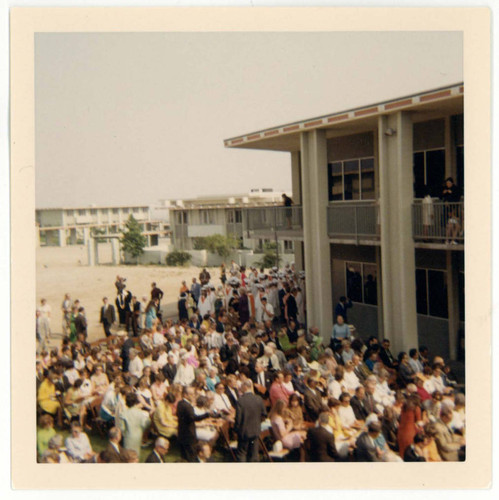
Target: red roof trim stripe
[
  {"x": 254, "y": 136},
  {"x": 312, "y": 124},
  {"x": 271, "y": 132},
  {"x": 337, "y": 118},
  {"x": 367, "y": 111},
  {"x": 436, "y": 95},
  {"x": 237, "y": 141},
  {"x": 398, "y": 104},
  {"x": 289, "y": 129}
]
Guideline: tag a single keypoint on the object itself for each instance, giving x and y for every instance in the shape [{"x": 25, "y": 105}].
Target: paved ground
[{"x": 64, "y": 270}]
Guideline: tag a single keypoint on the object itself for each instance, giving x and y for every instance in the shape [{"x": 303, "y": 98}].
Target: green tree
[
  {"x": 269, "y": 258},
  {"x": 178, "y": 258},
  {"x": 217, "y": 243},
  {"x": 132, "y": 239}
]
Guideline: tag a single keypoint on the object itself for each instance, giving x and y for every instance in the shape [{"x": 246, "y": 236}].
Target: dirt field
[{"x": 64, "y": 270}]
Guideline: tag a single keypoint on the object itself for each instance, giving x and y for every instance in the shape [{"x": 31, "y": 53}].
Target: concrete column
[
  {"x": 450, "y": 149},
  {"x": 73, "y": 237},
  {"x": 297, "y": 199},
  {"x": 316, "y": 240},
  {"x": 453, "y": 302},
  {"x": 96, "y": 250},
  {"x": 90, "y": 252},
  {"x": 379, "y": 291},
  {"x": 62, "y": 237},
  {"x": 86, "y": 235},
  {"x": 295, "y": 178},
  {"x": 397, "y": 246},
  {"x": 115, "y": 251}
]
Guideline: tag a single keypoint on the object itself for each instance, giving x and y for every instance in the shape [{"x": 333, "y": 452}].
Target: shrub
[{"x": 178, "y": 258}]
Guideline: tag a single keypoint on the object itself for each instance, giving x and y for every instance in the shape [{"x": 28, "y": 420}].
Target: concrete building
[
  {"x": 225, "y": 215},
  {"x": 358, "y": 222},
  {"x": 75, "y": 226}
]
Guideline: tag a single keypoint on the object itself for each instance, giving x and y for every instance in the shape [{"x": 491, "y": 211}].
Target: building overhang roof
[{"x": 425, "y": 106}]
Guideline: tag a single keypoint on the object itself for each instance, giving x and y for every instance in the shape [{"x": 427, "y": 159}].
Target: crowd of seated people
[{"x": 349, "y": 400}]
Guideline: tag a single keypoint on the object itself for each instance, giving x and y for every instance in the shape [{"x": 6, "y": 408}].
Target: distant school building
[{"x": 358, "y": 222}]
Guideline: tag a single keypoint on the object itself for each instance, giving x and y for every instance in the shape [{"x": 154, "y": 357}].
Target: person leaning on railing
[{"x": 451, "y": 194}]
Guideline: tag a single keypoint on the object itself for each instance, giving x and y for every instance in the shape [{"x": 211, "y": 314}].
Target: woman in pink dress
[{"x": 282, "y": 428}]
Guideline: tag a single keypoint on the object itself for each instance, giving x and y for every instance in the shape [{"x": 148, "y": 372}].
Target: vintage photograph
[{"x": 251, "y": 247}]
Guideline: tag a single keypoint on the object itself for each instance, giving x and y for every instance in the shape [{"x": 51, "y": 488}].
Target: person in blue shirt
[{"x": 340, "y": 330}]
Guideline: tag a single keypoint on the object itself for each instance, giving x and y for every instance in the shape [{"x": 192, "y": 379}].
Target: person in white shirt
[
  {"x": 158, "y": 338},
  {"x": 267, "y": 310},
  {"x": 221, "y": 402},
  {"x": 78, "y": 445},
  {"x": 44, "y": 319},
  {"x": 350, "y": 380},
  {"x": 135, "y": 366},
  {"x": 336, "y": 386},
  {"x": 185, "y": 372},
  {"x": 204, "y": 304},
  {"x": 346, "y": 414}
]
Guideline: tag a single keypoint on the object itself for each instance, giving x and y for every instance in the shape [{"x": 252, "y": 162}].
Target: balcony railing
[
  {"x": 353, "y": 220},
  {"x": 438, "y": 222},
  {"x": 274, "y": 219}
]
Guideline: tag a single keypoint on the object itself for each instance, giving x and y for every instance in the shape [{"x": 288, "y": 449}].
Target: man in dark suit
[
  {"x": 366, "y": 450},
  {"x": 231, "y": 390},
  {"x": 386, "y": 356},
  {"x": 261, "y": 381},
  {"x": 341, "y": 308},
  {"x": 123, "y": 305},
  {"x": 250, "y": 411},
  {"x": 312, "y": 400},
  {"x": 81, "y": 322},
  {"x": 125, "y": 353},
  {"x": 107, "y": 316},
  {"x": 114, "y": 453},
  {"x": 291, "y": 307},
  {"x": 357, "y": 403},
  {"x": 170, "y": 369},
  {"x": 320, "y": 441},
  {"x": 135, "y": 311},
  {"x": 161, "y": 447},
  {"x": 187, "y": 424}
]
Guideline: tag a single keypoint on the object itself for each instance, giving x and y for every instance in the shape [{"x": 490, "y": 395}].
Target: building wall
[
  {"x": 351, "y": 146},
  {"x": 47, "y": 218}
]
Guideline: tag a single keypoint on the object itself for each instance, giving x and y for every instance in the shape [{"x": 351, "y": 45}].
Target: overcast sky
[{"x": 137, "y": 117}]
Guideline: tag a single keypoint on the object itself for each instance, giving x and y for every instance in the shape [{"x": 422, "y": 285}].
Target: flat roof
[
  {"x": 89, "y": 207},
  {"x": 285, "y": 137}
]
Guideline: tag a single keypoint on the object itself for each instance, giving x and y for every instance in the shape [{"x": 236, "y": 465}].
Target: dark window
[
  {"x": 367, "y": 179},
  {"x": 419, "y": 175},
  {"x": 435, "y": 169},
  {"x": 335, "y": 181},
  {"x": 351, "y": 179},
  {"x": 354, "y": 281},
  {"x": 460, "y": 167},
  {"x": 239, "y": 216},
  {"x": 370, "y": 284},
  {"x": 421, "y": 292},
  {"x": 429, "y": 170},
  {"x": 437, "y": 293}
]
